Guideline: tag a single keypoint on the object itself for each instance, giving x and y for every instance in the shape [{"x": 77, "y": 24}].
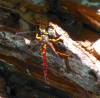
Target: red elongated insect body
[{"x": 45, "y": 63}]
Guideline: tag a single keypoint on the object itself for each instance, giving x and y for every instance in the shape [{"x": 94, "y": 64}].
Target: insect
[
  {"x": 47, "y": 37},
  {"x": 44, "y": 38}
]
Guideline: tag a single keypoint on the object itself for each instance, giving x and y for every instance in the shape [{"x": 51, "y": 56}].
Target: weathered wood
[
  {"x": 82, "y": 13},
  {"x": 5, "y": 28},
  {"x": 15, "y": 84},
  {"x": 27, "y": 10},
  {"x": 55, "y": 81},
  {"x": 23, "y": 60},
  {"x": 2, "y": 88},
  {"x": 73, "y": 70}
]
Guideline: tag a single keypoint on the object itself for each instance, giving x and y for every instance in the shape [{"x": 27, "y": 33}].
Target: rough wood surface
[
  {"x": 75, "y": 71},
  {"x": 84, "y": 14},
  {"x": 16, "y": 53}
]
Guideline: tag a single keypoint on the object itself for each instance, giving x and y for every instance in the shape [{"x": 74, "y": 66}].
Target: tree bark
[
  {"x": 75, "y": 70},
  {"x": 82, "y": 13}
]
